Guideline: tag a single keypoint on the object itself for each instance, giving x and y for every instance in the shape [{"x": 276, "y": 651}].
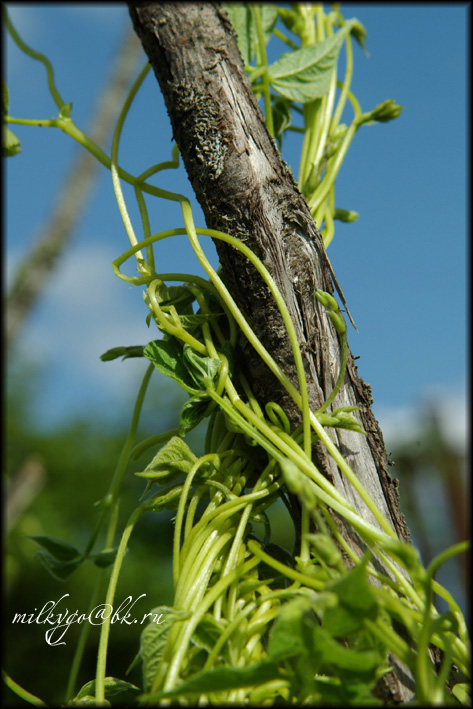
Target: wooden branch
[
  {"x": 246, "y": 190},
  {"x": 38, "y": 264}
]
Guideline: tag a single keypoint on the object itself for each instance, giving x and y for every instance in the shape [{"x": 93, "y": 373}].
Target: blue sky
[{"x": 402, "y": 265}]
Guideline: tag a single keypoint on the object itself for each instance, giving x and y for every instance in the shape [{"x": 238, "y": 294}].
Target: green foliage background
[{"x": 78, "y": 458}]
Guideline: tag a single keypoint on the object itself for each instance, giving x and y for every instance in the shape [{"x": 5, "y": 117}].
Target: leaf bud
[
  {"x": 345, "y": 215},
  {"x": 326, "y": 299},
  {"x": 386, "y": 111}
]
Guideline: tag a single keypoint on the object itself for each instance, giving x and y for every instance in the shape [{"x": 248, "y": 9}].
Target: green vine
[{"x": 251, "y": 623}]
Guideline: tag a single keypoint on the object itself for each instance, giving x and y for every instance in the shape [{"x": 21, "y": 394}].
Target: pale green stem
[
  {"x": 58, "y": 100},
  {"x": 22, "y": 693},
  {"x": 180, "y": 512},
  {"x": 112, "y": 587},
  {"x": 193, "y": 622},
  {"x": 346, "y": 85},
  {"x": 114, "y": 158}
]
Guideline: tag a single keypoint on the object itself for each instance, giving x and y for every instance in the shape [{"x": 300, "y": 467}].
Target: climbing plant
[{"x": 252, "y": 622}]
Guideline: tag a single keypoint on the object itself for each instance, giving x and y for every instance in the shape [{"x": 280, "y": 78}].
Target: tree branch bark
[{"x": 246, "y": 190}]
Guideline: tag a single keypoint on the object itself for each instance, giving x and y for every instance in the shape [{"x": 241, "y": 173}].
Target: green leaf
[
  {"x": 65, "y": 111},
  {"x": 325, "y": 548},
  {"x": 345, "y": 690},
  {"x": 292, "y": 20},
  {"x": 123, "y": 352},
  {"x": 242, "y": 18},
  {"x": 207, "y": 632},
  {"x": 178, "y": 296},
  {"x": 104, "y": 558},
  {"x": 222, "y": 679},
  {"x": 333, "y": 653},
  {"x": 59, "y": 570},
  {"x": 192, "y": 413},
  {"x": 167, "y": 357},
  {"x": 59, "y": 549},
  {"x": 203, "y": 370},
  {"x": 172, "y": 461},
  {"x": 113, "y": 686},
  {"x": 167, "y": 499},
  {"x": 229, "y": 351},
  {"x": 353, "y": 672},
  {"x": 292, "y": 632},
  {"x": 10, "y": 143},
  {"x": 359, "y": 33},
  {"x": 304, "y": 75},
  {"x": 282, "y": 117},
  {"x": 195, "y": 320},
  {"x": 356, "y": 602},
  {"x": 462, "y": 692},
  {"x": 153, "y": 640}
]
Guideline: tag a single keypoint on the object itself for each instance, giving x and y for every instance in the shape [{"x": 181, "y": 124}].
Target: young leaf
[
  {"x": 60, "y": 550},
  {"x": 167, "y": 499},
  {"x": 60, "y": 570},
  {"x": 167, "y": 357},
  {"x": 292, "y": 20},
  {"x": 123, "y": 352},
  {"x": 305, "y": 74},
  {"x": 356, "y": 602},
  {"x": 292, "y": 632},
  {"x": 222, "y": 679},
  {"x": 10, "y": 143},
  {"x": 104, "y": 558},
  {"x": 282, "y": 117},
  {"x": 203, "y": 370},
  {"x": 178, "y": 296},
  {"x": 172, "y": 461},
  {"x": 192, "y": 413},
  {"x": 242, "y": 19},
  {"x": 359, "y": 33},
  {"x": 325, "y": 549},
  {"x": 153, "y": 639},
  {"x": 113, "y": 686},
  {"x": 65, "y": 111},
  {"x": 207, "y": 632},
  {"x": 195, "y": 320},
  {"x": 353, "y": 671},
  {"x": 332, "y": 653},
  {"x": 462, "y": 692}
]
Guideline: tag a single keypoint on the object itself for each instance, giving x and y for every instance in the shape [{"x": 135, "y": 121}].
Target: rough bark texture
[{"x": 245, "y": 189}]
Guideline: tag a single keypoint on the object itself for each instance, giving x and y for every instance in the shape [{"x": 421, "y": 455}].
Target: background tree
[{"x": 33, "y": 274}]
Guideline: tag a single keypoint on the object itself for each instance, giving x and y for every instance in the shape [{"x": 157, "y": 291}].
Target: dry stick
[
  {"x": 34, "y": 271},
  {"x": 246, "y": 190}
]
